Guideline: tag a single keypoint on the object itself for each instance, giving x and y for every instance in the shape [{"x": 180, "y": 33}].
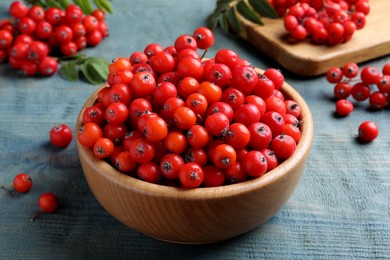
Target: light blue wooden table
[{"x": 341, "y": 208}]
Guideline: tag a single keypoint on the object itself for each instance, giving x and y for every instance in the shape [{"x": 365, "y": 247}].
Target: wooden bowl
[{"x": 200, "y": 215}]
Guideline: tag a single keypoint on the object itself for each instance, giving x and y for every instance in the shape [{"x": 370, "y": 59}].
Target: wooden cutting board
[{"x": 306, "y": 58}]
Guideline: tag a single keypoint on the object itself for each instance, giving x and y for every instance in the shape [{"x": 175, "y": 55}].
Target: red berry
[
  {"x": 48, "y": 203},
  {"x": 22, "y": 182},
  {"x": 61, "y": 135},
  {"x": 191, "y": 175},
  {"x": 283, "y": 146},
  {"x": 204, "y": 37},
  {"x": 344, "y": 107},
  {"x": 368, "y": 131}
]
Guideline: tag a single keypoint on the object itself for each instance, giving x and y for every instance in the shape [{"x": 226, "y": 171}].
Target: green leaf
[
  {"x": 77, "y": 56},
  {"x": 81, "y": 4},
  {"x": 212, "y": 20},
  {"x": 88, "y": 6},
  {"x": 36, "y": 2},
  {"x": 69, "y": 71},
  {"x": 52, "y": 3},
  {"x": 223, "y": 22},
  {"x": 99, "y": 5},
  {"x": 263, "y": 8},
  {"x": 64, "y": 3},
  {"x": 247, "y": 12},
  {"x": 106, "y": 5},
  {"x": 91, "y": 74},
  {"x": 100, "y": 66},
  {"x": 232, "y": 18}
]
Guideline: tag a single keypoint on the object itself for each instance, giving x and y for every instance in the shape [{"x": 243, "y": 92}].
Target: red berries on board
[{"x": 328, "y": 22}]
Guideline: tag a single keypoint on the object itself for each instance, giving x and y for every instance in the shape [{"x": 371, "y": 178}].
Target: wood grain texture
[
  {"x": 340, "y": 209},
  {"x": 306, "y": 58}
]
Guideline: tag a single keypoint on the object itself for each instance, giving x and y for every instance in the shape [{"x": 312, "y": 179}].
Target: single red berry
[
  {"x": 386, "y": 69},
  {"x": 18, "y": 9},
  {"x": 103, "y": 148},
  {"x": 342, "y": 90},
  {"x": 22, "y": 182},
  {"x": 344, "y": 107},
  {"x": 377, "y": 100},
  {"x": 61, "y": 135},
  {"x": 283, "y": 146},
  {"x": 48, "y": 203},
  {"x": 368, "y": 131},
  {"x": 360, "y": 91},
  {"x": 204, "y": 37},
  {"x": 275, "y": 76},
  {"x": 350, "y": 70},
  {"x": 254, "y": 164},
  {"x": 191, "y": 175},
  {"x": 224, "y": 156},
  {"x": 149, "y": 172},
  {"x": 170, "y": 165},
  {"x": 334, "y": 75},
  {"x": 370, "y": 75}
]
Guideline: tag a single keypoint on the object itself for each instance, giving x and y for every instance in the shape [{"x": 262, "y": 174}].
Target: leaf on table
[
  {"x": 247, "y": 12},
  {"x": 69, "y": 71},
  {"x": 233, "y": 21},
  {"x": 53, "y": 3},
  {"x": 226, "y": 11},
  {"x": 63, "y": 3},
  {"x": 92, "y": 73},
  {"x": 104, "y": 5},
  {"x": 263, "y": 8}
]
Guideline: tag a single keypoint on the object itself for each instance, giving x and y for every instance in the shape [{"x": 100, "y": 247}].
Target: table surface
[{"x": 340, "y": 209}]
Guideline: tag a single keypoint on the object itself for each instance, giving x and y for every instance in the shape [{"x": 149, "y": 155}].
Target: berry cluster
[
  {"x": 368, "y": 84},
  {"x": 168, "y": 116},
  {"x": 325, "y": 21},
  {"x": 47, "y": 202},
  {"x": 34, "y": 33},
  {"x": 60, "y": 136}
]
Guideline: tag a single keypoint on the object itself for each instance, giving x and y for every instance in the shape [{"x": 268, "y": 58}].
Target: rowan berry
[
  {"x": 48, "y": 203},
  {"x": 334, "y": 75},
  {"x": 283, "y": 146},
  {"x": 368, "y": 131},
  {"x": 149, "y": 172},
  {"x": 204, "y": 37},
  {"x": 61, "y": 135},
  {"x": 22, "y": 183},
  {"x": 18, "y": 9},
  {"x": 377, "y": 100},
  {"x": 344, "y": 107},
  {"x": 191, "y": 175},
  {"x": 254, "y": 164},
  {"x": 213, "y": 176},
  {"x": 170, "y": 165}
]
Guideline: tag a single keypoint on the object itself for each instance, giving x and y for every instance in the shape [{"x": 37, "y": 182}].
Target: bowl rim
[{"x": 205, "y": 193}]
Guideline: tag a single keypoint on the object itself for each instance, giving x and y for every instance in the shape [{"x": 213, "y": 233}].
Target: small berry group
[
  {"x": 168, "y": 116},
  {"x": 34, "y": 35},
  {"x": 324, "y": 21},
  {"x": 48, "y": 202},
  {"x": 368, "y": 84}
]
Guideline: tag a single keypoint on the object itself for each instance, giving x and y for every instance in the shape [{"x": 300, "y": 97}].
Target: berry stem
[
  {"x": 204, "y": 54},
  {"x": 6, "y": 186},
  {"x": 36, "y": 215}
]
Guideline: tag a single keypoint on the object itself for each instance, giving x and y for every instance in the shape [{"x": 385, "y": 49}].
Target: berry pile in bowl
[{"x": 192, "y": 150}]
